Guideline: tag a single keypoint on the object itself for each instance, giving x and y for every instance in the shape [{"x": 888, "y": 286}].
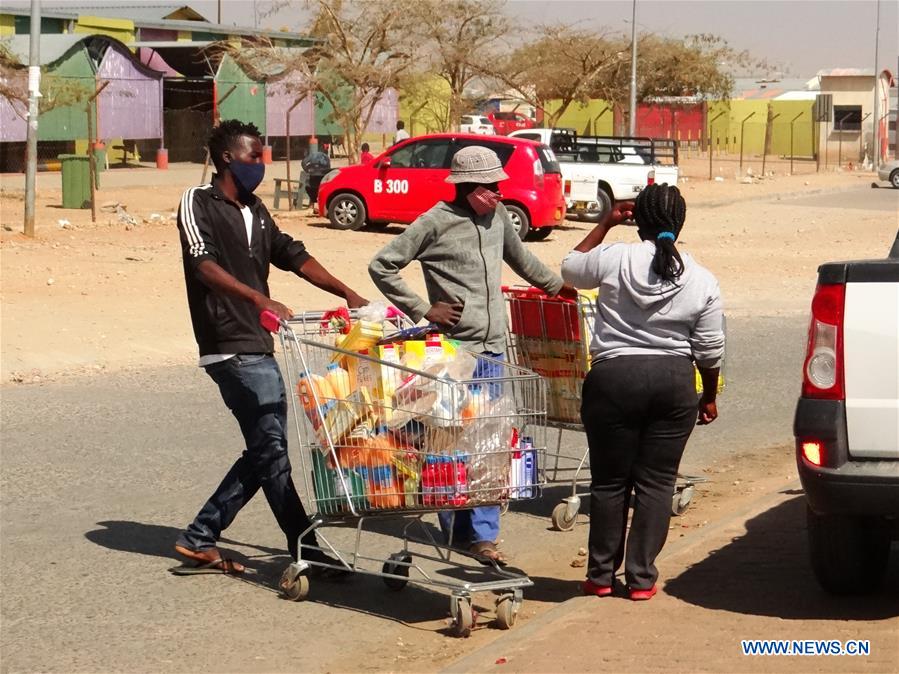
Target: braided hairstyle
[{"x": 660, "y": 212}]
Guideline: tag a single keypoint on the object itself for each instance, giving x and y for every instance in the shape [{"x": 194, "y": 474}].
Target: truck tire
[
  {"x": 849, "y": 555},
  {"x": 605, "y": 205},
  {"x": 346, "y": 211},
  {"x": 520, "y": 220}
]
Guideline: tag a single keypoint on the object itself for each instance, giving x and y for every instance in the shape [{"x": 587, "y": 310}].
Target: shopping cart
[
  {"x": 380, "y": 438},
  {"x": 551, "y": 336}
]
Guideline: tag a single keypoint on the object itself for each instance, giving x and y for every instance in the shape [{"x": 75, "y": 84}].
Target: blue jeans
[
  {"x": 482, "y": 523},
  {"x": 252, "y": 388}
]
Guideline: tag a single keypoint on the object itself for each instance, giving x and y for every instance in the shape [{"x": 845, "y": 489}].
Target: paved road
[
  {"x": 98, "y": 474},
  {"x": 865, "y": 198}
]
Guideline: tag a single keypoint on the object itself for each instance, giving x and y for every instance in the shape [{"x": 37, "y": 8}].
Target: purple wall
[
  {"x": 279, "y": 96},
  {"x": 386, "y": 112},
  {"x": 131, "y": 106},
  {"x": 13, "y": 128}
]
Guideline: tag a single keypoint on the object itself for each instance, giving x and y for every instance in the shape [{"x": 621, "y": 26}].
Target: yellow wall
[
  {"x": 725, "y": 131},
  {"x": 121, "y": 29},
  {"x": 434, "y": 93},
  {"x": 7, "y": 25}
]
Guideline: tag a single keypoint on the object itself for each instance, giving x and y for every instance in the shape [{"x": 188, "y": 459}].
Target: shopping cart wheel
[
  {"x": 463, "y": 616},
  {"x": 681, "y": 500},
  {"x": 294, "y": 587},
  {"x": 562, "y": 519},
  {"x": 507, "y": 607},
  {"x": 392, "y": 568}
]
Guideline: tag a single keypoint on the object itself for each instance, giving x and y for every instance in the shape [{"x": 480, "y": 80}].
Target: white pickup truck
[
  {"x": 847, "y": 423},
  {"x": 597, "y": 171}
]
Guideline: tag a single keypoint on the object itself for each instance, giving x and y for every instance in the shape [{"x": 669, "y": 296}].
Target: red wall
[{"x": 666, "y": 121}]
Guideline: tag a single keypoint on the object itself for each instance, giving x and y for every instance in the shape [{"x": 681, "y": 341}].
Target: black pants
[
  {"x": 638, "y": 412},
  {"x": 312, "y": 185}
]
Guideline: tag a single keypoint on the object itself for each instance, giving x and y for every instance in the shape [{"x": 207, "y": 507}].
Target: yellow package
[{"x": 363, "y": 336}]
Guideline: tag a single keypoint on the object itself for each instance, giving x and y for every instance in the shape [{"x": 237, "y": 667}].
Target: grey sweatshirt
[
  {"x": 461, "y": 257},
  {"x": 639, "y": 314}
]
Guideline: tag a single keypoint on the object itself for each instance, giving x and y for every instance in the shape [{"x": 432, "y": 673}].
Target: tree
[
  {"x": 362, "y": 50},
  {"x": 563, "y": 63},
  {"x": 56, "y": 92},
  {"x": 460, "y": 40}
]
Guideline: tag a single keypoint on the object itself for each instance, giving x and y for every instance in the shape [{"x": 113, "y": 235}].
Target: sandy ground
[{"x": 85, "y": 296}]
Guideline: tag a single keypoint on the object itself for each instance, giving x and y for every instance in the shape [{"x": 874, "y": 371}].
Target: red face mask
[{"x": 482, "y": 200}]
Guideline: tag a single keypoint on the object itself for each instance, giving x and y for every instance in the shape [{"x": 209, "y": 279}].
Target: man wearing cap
[{"x": 461, "y": 245}]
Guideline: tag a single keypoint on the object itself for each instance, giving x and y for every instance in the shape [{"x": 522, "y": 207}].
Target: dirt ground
[{"x": 83, "y": 297}]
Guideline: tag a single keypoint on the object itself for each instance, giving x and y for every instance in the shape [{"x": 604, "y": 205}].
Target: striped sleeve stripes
[{"x": 197, "y": 245}]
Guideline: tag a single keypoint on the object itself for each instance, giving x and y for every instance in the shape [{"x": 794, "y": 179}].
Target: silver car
[{"x": 889, "y": 171}]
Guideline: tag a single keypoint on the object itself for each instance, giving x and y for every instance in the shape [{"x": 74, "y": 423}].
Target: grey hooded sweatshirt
[
  {"x": 640, "y": 314},
  {"x": 462, "y": 257}
]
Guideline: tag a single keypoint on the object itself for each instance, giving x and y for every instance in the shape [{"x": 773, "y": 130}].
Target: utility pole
[
  {"x": 876, "y": 153},
  {"x": 220, "y": 11},
  {"x": 34, "y": 93},
  {"x": 632, "y": 121}
]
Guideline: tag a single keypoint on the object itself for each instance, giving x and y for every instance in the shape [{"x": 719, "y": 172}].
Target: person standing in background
[{"x": 401, "y": 133}]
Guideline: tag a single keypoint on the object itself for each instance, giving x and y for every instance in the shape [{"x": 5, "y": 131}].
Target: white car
[
  {"x": 889, "y": 171},
  {"x": 477, "y": 124}
]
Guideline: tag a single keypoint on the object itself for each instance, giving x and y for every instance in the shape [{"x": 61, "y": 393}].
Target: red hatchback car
[{"x": 409, "y": 178}]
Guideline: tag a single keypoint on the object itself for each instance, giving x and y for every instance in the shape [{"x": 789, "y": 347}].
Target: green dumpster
[{"x": 76, "y": 181}]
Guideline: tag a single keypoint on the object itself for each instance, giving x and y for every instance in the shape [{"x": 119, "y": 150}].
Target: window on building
[{"x": 847, "y": 117}]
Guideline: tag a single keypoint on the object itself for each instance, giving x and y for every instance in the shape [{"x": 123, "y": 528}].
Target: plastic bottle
[
  {"x": 528, "y": 467},
  {"x": 459, "y": 496},
  {"x": 434, "y": 349},
  {"x": 339, "y": 380},
  {"x": 432, "y": 490}
]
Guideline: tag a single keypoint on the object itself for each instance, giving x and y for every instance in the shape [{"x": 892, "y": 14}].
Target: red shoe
[
  {"x": 642, "y": 595},
  {"x": 591, "y": 588}
]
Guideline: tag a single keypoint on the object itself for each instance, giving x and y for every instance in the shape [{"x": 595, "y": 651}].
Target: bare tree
[
  {"x": 460, "y": 40},
  {"x": 563, "y": 64},
  {"x": 362, "y": 49},
  {"x": 56, "y": 92}
]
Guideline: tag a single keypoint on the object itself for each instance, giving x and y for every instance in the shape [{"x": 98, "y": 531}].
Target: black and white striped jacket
[{"x": 213, "y": 228}]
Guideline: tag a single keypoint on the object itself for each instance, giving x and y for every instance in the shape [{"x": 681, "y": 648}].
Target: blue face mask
[{"x": 247, "y": 175}]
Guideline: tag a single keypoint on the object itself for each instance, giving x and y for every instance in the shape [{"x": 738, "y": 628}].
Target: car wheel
[
  {"x": 849, "y": 555},
  {"x": 346, "y": 211},
  {"x": 520, "y": 221},
  {"x": 604, "y": 205},
  {"x": 540, "y": 233},
  {"x": 894, "y": 179}
]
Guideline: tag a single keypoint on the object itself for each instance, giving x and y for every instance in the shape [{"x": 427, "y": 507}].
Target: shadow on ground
[{"x": 766, "y": 572}]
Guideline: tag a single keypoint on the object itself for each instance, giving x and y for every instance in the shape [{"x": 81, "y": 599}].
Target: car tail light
[
  {"x": 567, "y": 188},
  {"x": 651, "y": 177},
  {"x": 822, "y": 376},
  {"x": 813, "y": 452},
  {"x": 538, "y": 174}
]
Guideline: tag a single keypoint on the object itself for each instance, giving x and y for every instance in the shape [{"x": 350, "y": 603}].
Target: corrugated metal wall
[
  {"x": 247, "y": 101},
  {"x": 279, "y": 96},
  {"x": 13, "y": 127},
  {"x": 131, "y": 105},
  {"x": 74, "y": 72}
]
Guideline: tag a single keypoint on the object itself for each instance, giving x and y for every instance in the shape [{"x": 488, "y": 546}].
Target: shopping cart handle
[
  {"x": 523, "y": 290},
  {"x": 270, "y": 321}
]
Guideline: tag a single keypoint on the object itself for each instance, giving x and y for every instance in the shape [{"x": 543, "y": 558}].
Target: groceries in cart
[{"x": 407, "y": 420}]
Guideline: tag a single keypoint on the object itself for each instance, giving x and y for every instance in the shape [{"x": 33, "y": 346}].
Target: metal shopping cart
[
  {"x": 382, "y": 437},
  {"x": 551, "y": 336}
]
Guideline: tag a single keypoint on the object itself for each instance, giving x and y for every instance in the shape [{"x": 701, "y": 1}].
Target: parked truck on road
[
  {"x": 847, "y": 423},
  {"x": 597, "y": 171}
]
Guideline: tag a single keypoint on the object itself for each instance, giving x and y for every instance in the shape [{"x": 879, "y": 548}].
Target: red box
[{"x": 535, "y": 314}]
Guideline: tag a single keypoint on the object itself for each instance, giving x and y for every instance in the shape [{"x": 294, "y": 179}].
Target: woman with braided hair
[{"x": 658, "y": 313}]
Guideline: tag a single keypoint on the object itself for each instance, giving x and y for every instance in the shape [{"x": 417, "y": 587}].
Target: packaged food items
[
  {"x": 363, "y": 335},
  {"x": 339, "y": 380},
  {"x": 311, "y": 388},
  {"x": 382, "y": 486},
  {"x": 444, "y": 481},
  {"x": 523, "y": 470}
]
